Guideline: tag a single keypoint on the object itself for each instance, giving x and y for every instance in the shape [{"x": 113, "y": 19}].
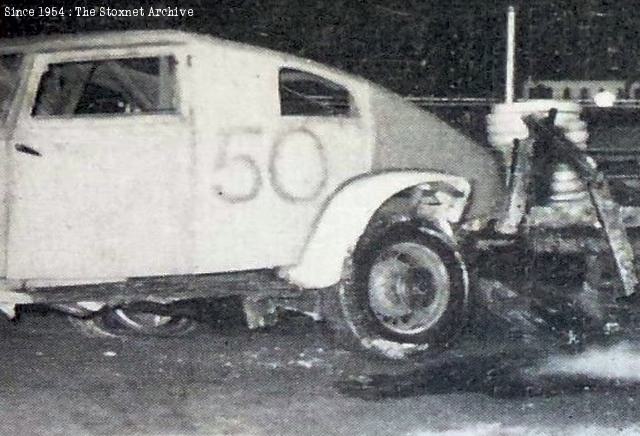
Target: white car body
[{"x": 221, "y": 182}]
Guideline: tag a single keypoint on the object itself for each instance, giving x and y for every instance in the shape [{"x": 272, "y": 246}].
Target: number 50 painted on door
[{"x": 298, "y": 168}]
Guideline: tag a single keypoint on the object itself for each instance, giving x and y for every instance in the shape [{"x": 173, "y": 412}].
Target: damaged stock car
[{"x": 143, "y": 168}]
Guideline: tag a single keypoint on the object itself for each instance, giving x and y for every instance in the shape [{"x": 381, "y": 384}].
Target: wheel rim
[
  {"x": 409, "y": 288},
  {"x": 144, "y": 321}
]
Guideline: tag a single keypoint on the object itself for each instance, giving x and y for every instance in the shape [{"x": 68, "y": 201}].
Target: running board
[{"x": 167, "y": 289}]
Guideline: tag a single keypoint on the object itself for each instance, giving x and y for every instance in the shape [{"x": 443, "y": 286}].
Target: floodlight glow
[{"x": 604, "y": 99}]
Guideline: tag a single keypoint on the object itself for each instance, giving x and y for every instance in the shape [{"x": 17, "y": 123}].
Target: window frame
[
  {"x": 352, "y": 113},
  {"x": 5, "y": 114},
  {"x": 41, "y": 64}
]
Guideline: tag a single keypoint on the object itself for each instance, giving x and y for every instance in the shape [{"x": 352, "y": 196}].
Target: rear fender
[{"x": 349, "y": 211}]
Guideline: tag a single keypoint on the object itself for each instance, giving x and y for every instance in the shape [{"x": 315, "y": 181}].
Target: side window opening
[
  {"x": 9, "y": 78},
  {"x": 306, "y": 94},
  {"x": 107, "y": 87}
]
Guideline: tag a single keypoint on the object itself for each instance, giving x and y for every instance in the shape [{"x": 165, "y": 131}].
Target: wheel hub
[{"x": 409, "y": 288}]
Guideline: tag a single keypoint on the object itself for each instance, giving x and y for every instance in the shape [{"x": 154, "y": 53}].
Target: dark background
[{"x": 428, "y": 48}]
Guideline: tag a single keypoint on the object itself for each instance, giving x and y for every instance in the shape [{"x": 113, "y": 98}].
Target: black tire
[
  {"x": 114, "y": 322},
  {"x": 434, "y": 291}
]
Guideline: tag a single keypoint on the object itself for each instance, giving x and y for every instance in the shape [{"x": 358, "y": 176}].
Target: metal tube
[{"x": 511, "y": 53}]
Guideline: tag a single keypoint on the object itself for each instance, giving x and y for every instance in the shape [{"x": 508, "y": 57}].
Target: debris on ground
[
  {"x": 548, "y": 365},
  {"x": 620, "y": 362},
  {"x": 306, "y": 363},
  {"x": 504, "y": 376}
]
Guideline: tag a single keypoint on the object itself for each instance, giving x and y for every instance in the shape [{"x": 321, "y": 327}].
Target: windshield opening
[{"x": 9, "y": 71}]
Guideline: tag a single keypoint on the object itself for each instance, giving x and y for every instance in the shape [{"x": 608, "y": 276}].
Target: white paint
[
  {"x": 164, "y": 194},
  {"x": 108, "y": 197},
  {"x": 299, "y": 166},
  {"x": 299, "y": 160},
  {"x": 345, "y": 219},
  {"x": 201, "y": 191}
]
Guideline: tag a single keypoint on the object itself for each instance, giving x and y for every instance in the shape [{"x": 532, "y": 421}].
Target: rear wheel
[{"x": 407, "y": 292}]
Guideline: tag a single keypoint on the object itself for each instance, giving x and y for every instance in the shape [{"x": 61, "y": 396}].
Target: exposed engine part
[
  {"x": 558, "y": 146},
  {"x": 260, "y": 312},
  {"x": 505, "y": 123},
  {"x": 566, "y": 185}
]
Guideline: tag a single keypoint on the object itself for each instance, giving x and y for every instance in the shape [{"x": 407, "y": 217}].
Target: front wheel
[
  {"x": 129, "y": 322},
  {"x": 406, "y": 292}
]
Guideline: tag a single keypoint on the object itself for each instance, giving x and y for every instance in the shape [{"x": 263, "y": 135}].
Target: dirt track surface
[{"x": 284, "y": 381}]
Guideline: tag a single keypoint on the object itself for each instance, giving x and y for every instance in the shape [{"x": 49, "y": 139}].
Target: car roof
[
  {"x": 109, "y": 39},
  {"x": 141, "y": 38},
  {"x": 135, "y": 38}
]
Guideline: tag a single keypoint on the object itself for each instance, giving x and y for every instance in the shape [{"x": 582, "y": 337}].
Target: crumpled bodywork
[
  {"x": 411, "y": 146},
  {"x": 346, "y": 217},
  {"x": 408, "y": 137}
]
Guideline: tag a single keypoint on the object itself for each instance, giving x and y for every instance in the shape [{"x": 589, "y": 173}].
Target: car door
[
  {"x": 323, "y": 139},
  {"x": 100, "y": 159},
  {"x": 267, "y": 162}
]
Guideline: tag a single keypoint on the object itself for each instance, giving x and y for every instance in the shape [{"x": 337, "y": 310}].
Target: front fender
[{"x": 345, "y": 218}]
